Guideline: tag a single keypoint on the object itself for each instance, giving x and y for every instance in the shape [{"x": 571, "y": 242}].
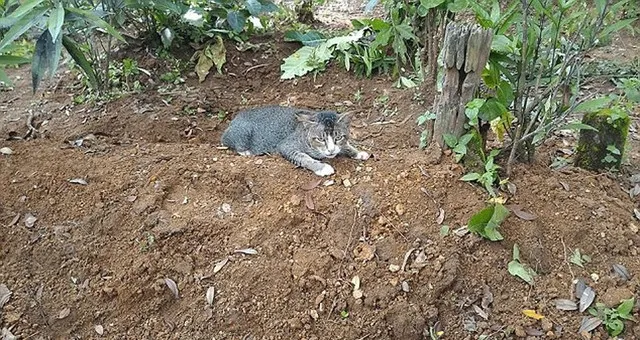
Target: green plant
[
  {"x": 486, "y": 222},
  {"x": 57, "y": 22},
  {"x": 517, "y": 268},
  {"x": 490, "y": 175},
  {"x": 613, "y": 319},
  {"x": 536, "y": 66}
]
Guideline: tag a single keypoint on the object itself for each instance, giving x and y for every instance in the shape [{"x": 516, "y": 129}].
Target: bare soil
[{"x": 162, "y": 201}]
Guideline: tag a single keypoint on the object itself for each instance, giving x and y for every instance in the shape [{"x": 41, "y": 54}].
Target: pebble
[
  {"x": 346, "y": 183},
  {"x": 328, "y": 182},
  {"x": 547, "y": 325},
  {"x": 519, "y": 331},
  {"x": 295, "y": 200},
  {"x": 394, "y": 268},
  {"x": 633, "y": 228},
  {"x": 6, "y": 151},
  {"x": 405, "y": 286},
  {"x": 226, "y": 207},
  {"x": 400, "y": 209}
]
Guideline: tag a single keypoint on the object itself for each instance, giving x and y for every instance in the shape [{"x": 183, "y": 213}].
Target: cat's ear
[{"x": 305, "y": 117}]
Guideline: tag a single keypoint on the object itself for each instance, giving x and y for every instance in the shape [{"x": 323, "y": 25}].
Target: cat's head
[{"x": 326, "y": 132}]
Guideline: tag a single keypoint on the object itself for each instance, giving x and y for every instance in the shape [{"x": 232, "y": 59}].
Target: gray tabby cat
[{"x": 302, "y": 137}]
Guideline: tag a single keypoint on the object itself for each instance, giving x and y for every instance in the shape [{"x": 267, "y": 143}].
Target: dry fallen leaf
[
  {"x": 99, "y": 329},
  {"x": 440, "y": 217},
  {"x": 211, "y": 292},
  {"x": 364, "y": 252},
  {"x": 15, "y": 220},
  {"x": 78, "y": 181},
  {"x": 247, "y": 251},
  {"x": 406, "y": 258},
  {"x": 356, "y": 282},
  {"x": 589, "y": 323},
  {"x": 533, "y": 332},
  {"x": 532, "y": 314},
  {"x": 620, "y": 270},
  {"x": 308, "y": 201},
  {"x": 5, "y": 294},
  {"x": 480, "y": 312},
  {"x": 512, "y": 188},
  {"x": 29, "y": 220},
  {"x": 405, "y": 286},
  {"x": 172, "y": 287},
  {"x": 586, "y": 299},
  {"x": 636, "y": 212},
  {"x": 487, "y": 297},
  {"x": 64, "y": 313},
  {"x": 565, "y": 186},
  {"x": 7, "y": 335},
  {"x": 635, "y": 191},
  {"x": 220, "y": 264},
  {"x": 311, "y": 185},
  {"x": 580, "y": 287},
  {"x": 565, "y": 304},
  {"x": 517, "y": 210}
]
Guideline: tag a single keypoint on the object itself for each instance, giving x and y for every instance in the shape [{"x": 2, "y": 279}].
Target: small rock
[
  {"x": 394, "y": 268},
  {"x": 226, "y": 208},
  {"x": 400, "y": 209},
  {"x": 520, "y": 332},
  {"x": 405, "y": 286},
  {"x": 547, "y": 325},
  {"x": 346, "y": 183},
  {"x": 295, "y": 200},
  {"x": 328, "y": 182},
  {"x": 314, "y": 314},
  {"x": 295, "y": 323},
  {"x": 6, "y": 151},
  {"x": 633, "y": 228}
]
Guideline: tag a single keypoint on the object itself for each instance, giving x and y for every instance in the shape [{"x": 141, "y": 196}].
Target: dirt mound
[{"x": 161, "y": 201}]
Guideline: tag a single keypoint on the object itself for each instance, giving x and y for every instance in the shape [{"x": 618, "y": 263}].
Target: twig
[
  {"x": 254, "y": 67},
  {"x": 564, "y": 247},
  {"x": 355, "y": 216}
]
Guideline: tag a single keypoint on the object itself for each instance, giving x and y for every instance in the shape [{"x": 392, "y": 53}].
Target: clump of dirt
[{"x": 162, "y": 201}]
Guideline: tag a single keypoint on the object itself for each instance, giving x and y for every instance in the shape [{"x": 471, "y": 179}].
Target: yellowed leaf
[{"x": 532, "y": 314}]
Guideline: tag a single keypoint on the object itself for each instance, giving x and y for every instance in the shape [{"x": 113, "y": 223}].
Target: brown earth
[{"x": 161, "y": 201}]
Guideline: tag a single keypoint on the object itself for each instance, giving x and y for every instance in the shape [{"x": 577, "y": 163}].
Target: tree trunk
[{"x": 466, "y": 49}]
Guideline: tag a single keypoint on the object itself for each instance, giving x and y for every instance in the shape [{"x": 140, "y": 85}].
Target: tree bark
[{"x": 466, "y": 49}]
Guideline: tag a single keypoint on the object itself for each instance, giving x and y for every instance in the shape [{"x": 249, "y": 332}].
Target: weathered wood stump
[
  {"x": 603, "y": 149},
  {"x": 465, "y": 51}
]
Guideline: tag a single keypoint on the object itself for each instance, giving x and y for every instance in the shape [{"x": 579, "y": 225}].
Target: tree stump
[
  {"x": 603, "y": 149},
  {"x": 465, "y": 51}
]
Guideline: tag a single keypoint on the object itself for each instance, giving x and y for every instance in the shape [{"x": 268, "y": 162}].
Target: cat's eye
[{"x": 339, "y": 138}]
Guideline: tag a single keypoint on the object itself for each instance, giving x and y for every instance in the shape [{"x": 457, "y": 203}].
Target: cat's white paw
[
  {"x": 362, "y": 155},
  {"x": 326, "y": 170},
  {"x": 245, "y": 153}
]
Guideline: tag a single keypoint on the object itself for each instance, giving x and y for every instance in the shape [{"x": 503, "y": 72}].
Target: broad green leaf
[
  {"x": 25, "y": 23},
  {"x": 95, "y": 20},
  {"x": 4, "y": 79},
  {"x": 491, "y": 110},
  {"x": 450, "y": 140},
  {"x": 254, "y": 7},
  {"x": 465, "y": 139},
  {"x": 516, "y": 253},
  {"x": 56, "y": 19},
  {"x": 612, "y": 148},
  {"x": 444, "y": 230},
  {"x": 517, "y": 269},
  {"x": 40, "y": 62},
  {"x": 502, "y": 44},
  {"x": 456, "y": 6},
  {"x": 472, "y": 176},
  {"x": 615, "y": 327},
  {"x": 54, "y": 54},
  {"x": 236, "y": 21},
  {"x": 593, "y": 104},
  {"x": 577, "y": 126},
  {"x": 21, "y": 11},
  {"x": 218, "y": 53},
  {"x": 429, "y": 4},
  {"x": 626, "y": 306},
  {"x": 484, "y": 19},
  {"x": 298, "y": 64},
  {"x": 346, "y": 41},
  {"x": 311, "y": 38},
  {"x": 495, "y": 12},
  {"x": 80, "y": 59},
  {"x": 618, "y": 25},
  {"x": 268, "y": 6},
  {"x": 12, "y": 60},
  {"x": 576, "y": 258}
]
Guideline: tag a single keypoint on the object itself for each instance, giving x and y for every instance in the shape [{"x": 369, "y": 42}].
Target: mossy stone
[{"x": 603, "y": 149}]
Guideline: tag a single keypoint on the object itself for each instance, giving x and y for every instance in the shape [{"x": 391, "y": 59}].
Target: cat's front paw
[
  {"x": 325, "y": 170},
  {"x": 362, "y": 155}
]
